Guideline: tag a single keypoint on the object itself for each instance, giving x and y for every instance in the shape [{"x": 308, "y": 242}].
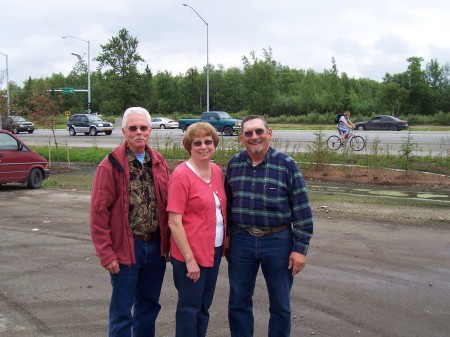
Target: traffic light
[{"x": 52, "y": 92}]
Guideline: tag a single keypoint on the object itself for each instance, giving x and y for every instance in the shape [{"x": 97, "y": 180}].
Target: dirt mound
[
  {"x": 354, "y": 175},
  {"x": 369, "y": 176}
]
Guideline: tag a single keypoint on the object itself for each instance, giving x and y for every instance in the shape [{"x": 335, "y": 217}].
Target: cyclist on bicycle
[{"x": 345, "y": 125}]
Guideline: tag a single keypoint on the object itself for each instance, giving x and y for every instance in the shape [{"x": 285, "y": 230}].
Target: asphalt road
[
  {"x": 362, "y": 278},
  {"x": 436, "y": 143}
]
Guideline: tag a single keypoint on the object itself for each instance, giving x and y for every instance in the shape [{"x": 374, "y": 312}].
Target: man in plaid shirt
[{"x": 270, "y": 224}]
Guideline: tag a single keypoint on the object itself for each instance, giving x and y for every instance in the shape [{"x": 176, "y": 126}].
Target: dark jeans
[
  {"x": 138, "y": 286},
  {"x": 247, "y": 254},
  {"x": 194, "y": 298}
]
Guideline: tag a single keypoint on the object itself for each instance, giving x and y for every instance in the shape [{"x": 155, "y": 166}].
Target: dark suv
[
  {"x": 16, "y": 124},
  {"x": 88, "y": 124}
]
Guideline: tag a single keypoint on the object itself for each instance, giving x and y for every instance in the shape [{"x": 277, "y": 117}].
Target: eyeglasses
[
  {"x": 258, "y": 132},
  {"x": 199, "y": 143},
  {"x": 133, "y": 128}
]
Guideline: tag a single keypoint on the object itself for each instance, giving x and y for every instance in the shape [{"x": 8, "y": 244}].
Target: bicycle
[{"x": 357, "y": 143}]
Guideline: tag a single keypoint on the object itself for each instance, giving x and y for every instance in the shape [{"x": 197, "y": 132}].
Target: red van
[{"x": 19, "y": 164}]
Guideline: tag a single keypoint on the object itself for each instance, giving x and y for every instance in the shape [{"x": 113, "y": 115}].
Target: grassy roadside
[
  {"x": 319, "y": 162},
  {"x": 328, "y": 204}
]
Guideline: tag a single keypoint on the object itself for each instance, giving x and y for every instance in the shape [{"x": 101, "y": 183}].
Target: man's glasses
[
  {"x": 258, "y": 132},
  {"x": 199, "y": 143},
  {"x": 133, "y": 128}
]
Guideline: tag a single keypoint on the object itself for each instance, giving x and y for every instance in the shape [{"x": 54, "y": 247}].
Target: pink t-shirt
[{"x": 193, "y": 198}]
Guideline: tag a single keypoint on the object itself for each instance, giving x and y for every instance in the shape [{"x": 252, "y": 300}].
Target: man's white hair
[{"x": 138, "y": 111}]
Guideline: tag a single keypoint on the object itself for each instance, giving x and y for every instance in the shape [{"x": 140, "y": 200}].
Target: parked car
[
  {"x": 19, "y": 164},
  {"x": 164, "y": 123},
  {"x": 89, "y": 124},
  {"x": 16, "y": 124},
  {"x": 382, "y": 122}
]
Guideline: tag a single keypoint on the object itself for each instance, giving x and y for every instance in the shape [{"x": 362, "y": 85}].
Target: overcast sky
[{"x": 367, "y": 39}]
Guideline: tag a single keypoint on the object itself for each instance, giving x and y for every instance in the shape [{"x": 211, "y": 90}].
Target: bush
[
  {"x": 284, "y": 105},
  {"x": 442, "y": 118}
]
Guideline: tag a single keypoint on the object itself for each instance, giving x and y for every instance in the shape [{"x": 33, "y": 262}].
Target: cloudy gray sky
[{"x": 367, "y": 39}]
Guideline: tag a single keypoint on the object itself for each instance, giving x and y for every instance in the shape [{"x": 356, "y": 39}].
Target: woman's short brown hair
[{"x": 200, "y": 129}]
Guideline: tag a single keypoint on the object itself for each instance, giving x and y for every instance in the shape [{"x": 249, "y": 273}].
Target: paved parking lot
[{"x": 362, "y": 278}]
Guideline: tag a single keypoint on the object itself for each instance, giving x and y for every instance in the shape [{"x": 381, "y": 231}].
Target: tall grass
[{"x": 317, "y": 154}]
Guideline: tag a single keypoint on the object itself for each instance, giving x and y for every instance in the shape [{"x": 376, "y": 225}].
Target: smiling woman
[{"x": 197, "y": 220}]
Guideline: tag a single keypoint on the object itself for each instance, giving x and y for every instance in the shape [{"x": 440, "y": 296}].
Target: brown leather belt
[
  {"x": 147, "y": 237},
  {"x": 260, "y": 232}
]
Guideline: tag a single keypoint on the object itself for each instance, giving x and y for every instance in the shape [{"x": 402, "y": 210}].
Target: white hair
[{"x": 138, "y": 111}]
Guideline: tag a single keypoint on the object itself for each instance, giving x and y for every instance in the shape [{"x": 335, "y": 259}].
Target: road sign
[{"x": 67, "y": 90}]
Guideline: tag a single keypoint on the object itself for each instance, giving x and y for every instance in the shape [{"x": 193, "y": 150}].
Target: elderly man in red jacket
[{"x": 129, "y": 227}]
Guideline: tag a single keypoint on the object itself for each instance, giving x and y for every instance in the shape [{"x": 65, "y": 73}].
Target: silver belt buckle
[{"x": 255, "y": 232}]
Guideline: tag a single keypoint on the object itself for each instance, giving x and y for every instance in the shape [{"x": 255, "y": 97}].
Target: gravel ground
[{"x": 364, "y": 277}]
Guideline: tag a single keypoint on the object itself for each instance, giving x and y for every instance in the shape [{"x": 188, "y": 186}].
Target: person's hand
[
  {"x": 113, "y": 267},
  {"x": 297, "y": 262},
  {"x": 193, "y": 270},
  {"x": 227, "y": 247}
]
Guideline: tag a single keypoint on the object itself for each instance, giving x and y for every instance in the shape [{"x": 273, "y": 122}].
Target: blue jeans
[
  {"x": 194, "y": 298},
  {"x": 247, "y": 254},
  {"x": 138, "y": 286}
]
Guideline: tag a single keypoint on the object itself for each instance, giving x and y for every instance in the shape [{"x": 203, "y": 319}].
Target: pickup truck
[{"x": 219, "y": 119}]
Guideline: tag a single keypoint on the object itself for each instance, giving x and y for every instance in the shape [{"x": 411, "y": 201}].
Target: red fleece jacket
[{"x": 108, "y": 215}]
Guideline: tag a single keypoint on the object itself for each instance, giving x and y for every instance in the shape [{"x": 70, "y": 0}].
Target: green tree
[
  {"x": 145, "y": 88},
  {"x": 406, "y": 152},
  {"x": 391, "y": 96},
  {"x": 45, "y": 110},
  {"x": 232, "y": 98},
  {"x": 166, "y": 93},
  {"x": 420, "y": 95},
  {"x": 362, "y": 96},
  {"x": 3, "y": 105},
  {"x": 288, "y": 87},
  {"x": 120, "y": 57},
  {"x": 438, "y": 79},
  {"x": 332, "y": 90},
  {"x": 435, "y": 75},
  {"x": 263, "y": 86},
  {"x": 77, "y": 79},
  {"x": 416, "y": 75},
  {"x": 309, "y": 93},
  {"x": 260, "y": 82}
]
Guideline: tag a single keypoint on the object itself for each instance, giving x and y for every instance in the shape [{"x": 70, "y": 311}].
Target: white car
[{"x": 164, "y": 123}]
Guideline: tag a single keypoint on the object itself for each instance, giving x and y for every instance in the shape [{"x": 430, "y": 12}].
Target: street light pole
[
  {"x": 89, "y": 69},
  {"x": 207, "y": 56},
  {"x": 7, "y": 85}
]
